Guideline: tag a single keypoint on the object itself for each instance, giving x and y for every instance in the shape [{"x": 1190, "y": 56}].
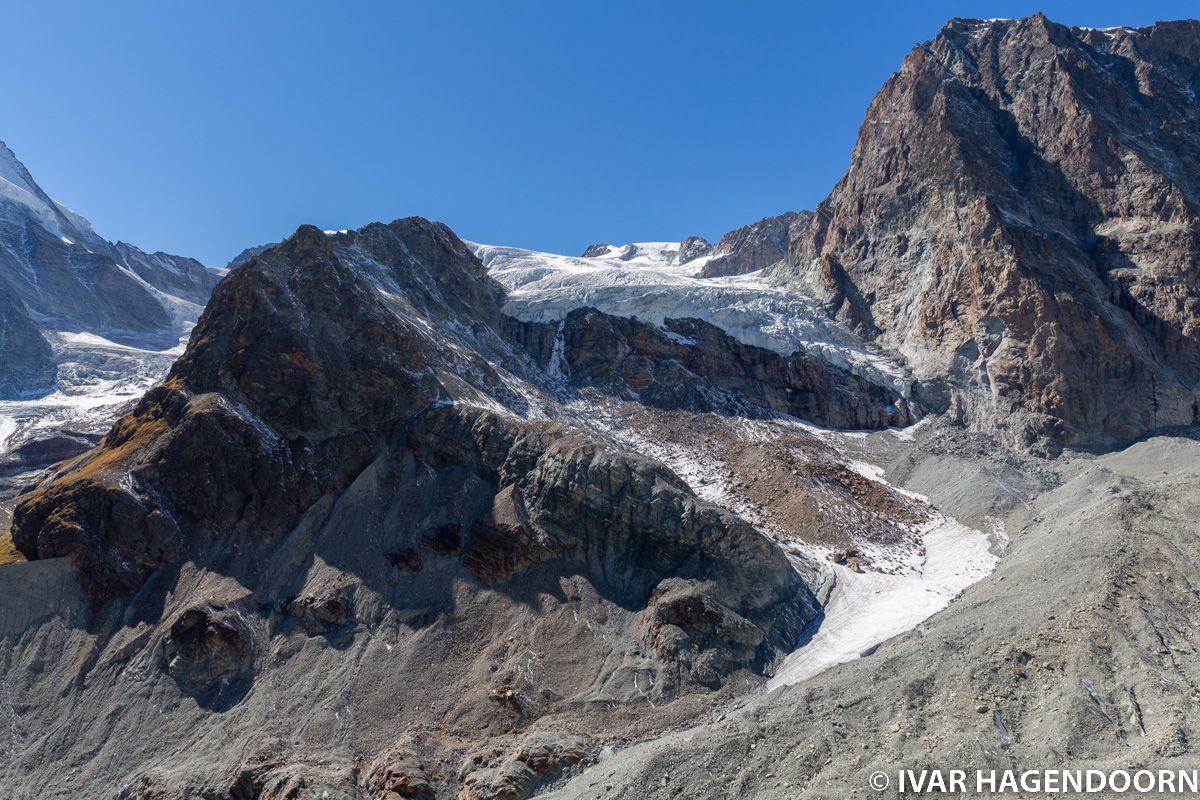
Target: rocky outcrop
[
  {"x": 692, "y": 248},
  {"x": 543, "y": 756},
  {"x": 208, "y": 649},
  {"x": 755, "y": 246},
  {"x": 693, "y": 365},
  {"x": 596, "y": 250},
  {"x": 1020, "y": 220}
]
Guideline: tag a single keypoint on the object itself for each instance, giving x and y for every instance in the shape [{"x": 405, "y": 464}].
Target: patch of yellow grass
[{"x": 9, "y": 554}]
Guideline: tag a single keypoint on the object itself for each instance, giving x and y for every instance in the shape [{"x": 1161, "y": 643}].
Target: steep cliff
[{"x": 1020, "y": 221}]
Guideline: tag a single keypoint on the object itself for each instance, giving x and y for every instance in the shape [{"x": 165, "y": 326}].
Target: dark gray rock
[
  {"x": 209, "y": 649},
  {"x": 693, "y": 365},
  {"x": 594, "y": 250},
  {"x": 26, "y": 359}
]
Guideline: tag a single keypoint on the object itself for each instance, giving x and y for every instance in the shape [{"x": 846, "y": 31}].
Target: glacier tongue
[{"x": 642, "y": 280}]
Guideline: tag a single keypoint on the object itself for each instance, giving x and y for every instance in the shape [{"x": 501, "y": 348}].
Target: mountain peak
[
  {"x": 60, "y": 278},
  {"x": 1060, "y": 165},
  {"x": 18, "y": 186}
]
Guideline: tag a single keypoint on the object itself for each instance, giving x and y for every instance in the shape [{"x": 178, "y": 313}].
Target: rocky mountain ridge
[
  {"x": 608, "y": 496},
  {"x": 356, "y": 435},
  {"x": 1020, "y": 222}
]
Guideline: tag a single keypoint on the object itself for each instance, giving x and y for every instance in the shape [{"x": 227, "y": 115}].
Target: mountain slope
[
  {"x": 1073, "y": 655},
  {"x": 372, "y": 533},
  {"x": 70, "y": 279},
  {"x": 349, "y": 445},
  {"x": 1020, "y": 219},
  {"x": 85, "y": 325}
]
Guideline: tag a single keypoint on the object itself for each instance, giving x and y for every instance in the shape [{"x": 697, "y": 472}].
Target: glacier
[{"x": 644, "y": 280}]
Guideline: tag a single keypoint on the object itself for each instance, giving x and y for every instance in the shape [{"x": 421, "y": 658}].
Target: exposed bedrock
[
  {"x": 1020, "y": 218},
  {"x": 693, "y": 365}
]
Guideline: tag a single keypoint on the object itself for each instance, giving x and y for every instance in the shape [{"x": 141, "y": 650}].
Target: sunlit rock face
[{"x": 1020, "y": 221}]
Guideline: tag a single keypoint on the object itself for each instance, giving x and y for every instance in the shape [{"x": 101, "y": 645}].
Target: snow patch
[
  {"x": 679, "y": 338},
  {"x": 909, "y": 434},
  {"x": 8, "y": 426},
  {"x": 866, "y": 609},
  {"x": 95, "y": 379}
]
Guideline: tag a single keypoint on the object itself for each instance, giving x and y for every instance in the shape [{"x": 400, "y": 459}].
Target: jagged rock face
[
  {"x": 1020, "y": 217},
  {"x": 343, "y": 444},
  {"x": 756, "y": 246},
  {"x": 26, "y": 359},
  {"x": 692, "y": 248},
  {"x": 289, "y": 379},
  {"x": 693, "y": 365}
]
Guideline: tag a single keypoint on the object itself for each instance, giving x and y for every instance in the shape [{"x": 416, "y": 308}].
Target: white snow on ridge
[
  {"x": 17, "y": 186},
  {"x": 642, "y": 280}
]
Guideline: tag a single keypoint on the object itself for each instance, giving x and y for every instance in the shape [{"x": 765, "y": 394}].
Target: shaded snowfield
[
  {"x": 863, "y": 609},
  {"x": 867, "y": 608}
]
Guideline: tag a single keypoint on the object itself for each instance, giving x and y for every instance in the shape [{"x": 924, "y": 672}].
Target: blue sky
[{"x": 201, "y": 128}]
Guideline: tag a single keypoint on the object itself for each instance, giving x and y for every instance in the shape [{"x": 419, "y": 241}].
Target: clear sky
[{"x": 203, "y": 127}]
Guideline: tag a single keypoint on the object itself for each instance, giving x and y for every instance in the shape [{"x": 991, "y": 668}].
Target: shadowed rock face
[
  {"x": 1020, "y": 217},
  {"x": 208, "y": 649},
  {"x": 695, "y": 366},
  {"x": 343, "y": 442},
  {"x": 26, "y": 360}
]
